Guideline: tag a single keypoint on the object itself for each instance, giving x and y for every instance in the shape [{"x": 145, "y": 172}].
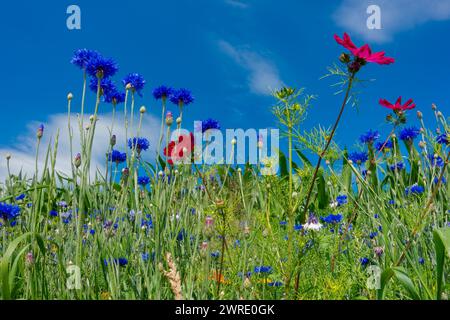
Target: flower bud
[
  {"x": 8, "y": 156},
  {"x": 422, "y": 144},
  {"x": 142, "y": 109},
  {"x": 419, "y": 115},
  {"x": 433, "y": 107},
  {"x": 169, "y": 118},
  {"x": 440, "y": 115},
  {"x": 344, "y": 58},
  {"x": 91, "y": 118},
  {"x": 233, "y": 141},
  {"x": 69, "y": 96},
  {"x": 29, "y": 259},
  {"x": 113, "y": 140},
  {"x": 77, "y": 160},
  {"x": 209, "y": 221},
  {"x": 128, "y": 86},
  {"x": 160, "y": 174},
  {"x": 125, "y": 172},
  {"x": 179, "y": 120},
  {"x": 40, "y": 131}
]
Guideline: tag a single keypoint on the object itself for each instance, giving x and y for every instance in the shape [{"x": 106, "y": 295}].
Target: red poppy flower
[
  {"x": 364, "y": 52},
  {"x": 398, "y": 104},
  {"x": 181, "y": 149}
]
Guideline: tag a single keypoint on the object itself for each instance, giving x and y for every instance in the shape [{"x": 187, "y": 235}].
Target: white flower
[
  {"x": 334, "y": 204},
  {"x": 312, "y": 226}
]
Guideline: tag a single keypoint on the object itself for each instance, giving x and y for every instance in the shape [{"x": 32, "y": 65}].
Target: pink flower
[
  {"x": 398, "y": 104},
  {"x": 364, "y": 53}
]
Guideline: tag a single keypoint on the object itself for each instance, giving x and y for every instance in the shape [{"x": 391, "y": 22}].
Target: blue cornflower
[
  {"x": 409, "y": 134},
  {"x": 443, "y": 181},
  {"x": 421, "y": 260},
  {"x": 143, "y": 180},
  {"x": 358, "y": 157},
  {"x": 106, "y": 86},
  {"x": 182, "y": 97},
  {"x": 283, "y": 223},
  {"x": 215, "y": 254},
  {"x": 92, "y": 231},
  {"x": 9, "y": 211},
  {"x": 369, "y": 137},
  {"x": 436, "y": 161},
  {"x": 136, "y": 81},
  {"x": 373, "y": 234},
  {"x": 20, "y": 197},
  {"x": 148, "y": 223},
  {"x": 397, "y": 166},
  {"x": 208, "y": 124},
  {"x": 181, "y": 235},
  {"x": 117, "y": 157},
  {"x": 364, "y": 261},
  {"x": 121, "y": 262},
  {"x": 141, "y": 144},
  {"x": 275, "y": 284},
  {"x": 82, "y": 57},
  {"x": 382, "y": 146},
  {"x": 53, "y": 213},
  {"x": 298, "y": 227},
  {"x": 332, "y": 218},
  {"x": 162, "y": 92},
  {"x": 237, "y": 243},
  {"x": 100, "y": 67},
  {"x": 263, "y": 269},
  {"x": 443, "y": 139},
  {"x": 414, "y": 189},
  {"x": 114, "y": 96},
  {"x": 341, "y": 200},
  {"x": 66, "y": 217}
]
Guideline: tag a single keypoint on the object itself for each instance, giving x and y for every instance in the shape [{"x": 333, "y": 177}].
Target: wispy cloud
[
  {"x": 23, "y": 153},
  {"x": 396, "y": 16},
  {"x": 237, "y": 4},
  {"x": 263, "y": 74}
]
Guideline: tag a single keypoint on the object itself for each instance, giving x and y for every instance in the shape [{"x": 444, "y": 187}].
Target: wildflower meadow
[{"x": 278, "y": 214}]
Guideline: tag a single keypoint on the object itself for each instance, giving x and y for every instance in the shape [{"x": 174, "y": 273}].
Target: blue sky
[{"x": 228, "y": 52}]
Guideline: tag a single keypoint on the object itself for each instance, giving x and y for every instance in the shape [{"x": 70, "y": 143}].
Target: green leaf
[
  {"x": 441, "y": 239},
  {"x": 402, "y": 278},
  {"x": 303, "y": 157}
]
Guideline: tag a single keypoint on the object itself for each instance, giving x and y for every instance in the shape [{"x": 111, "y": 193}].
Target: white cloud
[
  {"x": 24, "y": 153},
  {"x": 237, "y": 4},
  {"x": 396, "y": 16},
  {"x": 263, "y": 74}
]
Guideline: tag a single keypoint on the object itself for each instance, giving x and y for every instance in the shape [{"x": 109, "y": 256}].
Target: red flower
[
  {"x": 398, "y": 104},
  {"x": 181, "y": 149},
  {"x": 364, "y": 52}
]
